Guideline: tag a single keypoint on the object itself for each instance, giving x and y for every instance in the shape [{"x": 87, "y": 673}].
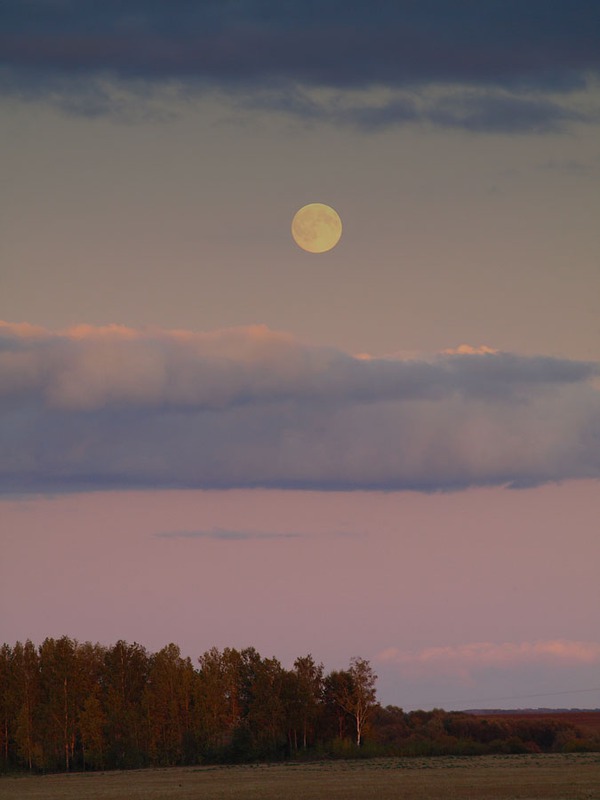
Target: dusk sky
[{"x": 211, "y": 437}]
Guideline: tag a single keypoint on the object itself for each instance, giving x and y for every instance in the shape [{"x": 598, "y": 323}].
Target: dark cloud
[
  {"x": 477, "y": 110},
  {"x": 118, "y": 408},
  {"x": 570, "y": 165},
  {"x": 247, "y": 45},
  {"x": 504, "y": 113},
  {"x": 333, "y": 43}
]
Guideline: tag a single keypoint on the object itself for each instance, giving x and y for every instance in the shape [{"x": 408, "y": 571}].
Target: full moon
[{"x": 316, "y": 227}]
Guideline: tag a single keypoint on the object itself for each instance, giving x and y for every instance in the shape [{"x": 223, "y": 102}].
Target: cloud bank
[
  {"x": 511, "y": 60},
  {"x": 109, "y": 408},
  {"x": 465, "y": 659}
]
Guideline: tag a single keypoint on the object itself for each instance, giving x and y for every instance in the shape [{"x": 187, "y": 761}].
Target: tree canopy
[{"x": 66, "y": 705}]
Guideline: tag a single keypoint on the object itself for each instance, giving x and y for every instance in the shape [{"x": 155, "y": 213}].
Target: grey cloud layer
[
  {"x": 274, "y": 45},
  {"x": 116, "y": 408}
]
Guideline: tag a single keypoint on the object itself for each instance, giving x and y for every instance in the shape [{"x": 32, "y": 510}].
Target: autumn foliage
[{"x": 71, "y": 706}]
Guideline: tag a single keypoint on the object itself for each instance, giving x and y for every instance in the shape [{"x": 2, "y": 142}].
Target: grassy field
[{"x": 527, "y": 777}]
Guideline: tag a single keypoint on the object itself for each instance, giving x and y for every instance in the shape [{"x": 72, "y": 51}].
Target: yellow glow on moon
[{"x": 316, "y": 227}]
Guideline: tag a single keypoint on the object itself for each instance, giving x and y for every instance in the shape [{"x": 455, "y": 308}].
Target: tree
[
  {"x": 126, "y": 670},
  {"x": 217, "y": 699},
  {"x": 58, "y": 684},
  {"x": 265, "y": 718},
  {"x": 307, "y": 696},
  {"x": 92, "y": 723},
  {"x": 26, "y": 683},
  {"x": 90, "y": 717},
  {"x": 167, "y": 700},
  {"x": 6, "y": 702},
  {"x": 354, "y": 692}
]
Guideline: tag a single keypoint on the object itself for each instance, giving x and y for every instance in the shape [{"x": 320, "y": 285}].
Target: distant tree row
[{"x": 66, "y": 705}]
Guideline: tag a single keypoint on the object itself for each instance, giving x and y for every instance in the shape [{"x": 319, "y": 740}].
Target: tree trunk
[{"x": 66, "y": 725}]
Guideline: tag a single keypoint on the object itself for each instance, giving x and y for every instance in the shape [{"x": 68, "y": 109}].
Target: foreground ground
[{"x": 528, "y": 777}]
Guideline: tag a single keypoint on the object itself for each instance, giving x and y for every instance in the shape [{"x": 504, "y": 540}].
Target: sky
[{"x": 212, "y": 437}]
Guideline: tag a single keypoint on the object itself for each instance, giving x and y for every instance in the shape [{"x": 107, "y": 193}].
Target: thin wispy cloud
[
  {"x": 571, "y": 166},
  {"x": 225, "y": 535},
  {"x": 105, "y": 408},
  {"x": 235, "y": 535},
  {"x": 508, "y": 67},
  {"x": 476, "y": 109}
]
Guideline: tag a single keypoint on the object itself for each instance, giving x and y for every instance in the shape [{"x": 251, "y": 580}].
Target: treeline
[
  {"x": 66, "y": 705},
  {"x": 71, "y": 706}
]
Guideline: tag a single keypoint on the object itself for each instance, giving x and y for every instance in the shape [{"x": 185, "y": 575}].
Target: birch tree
[{"x": 354, "y": 692}]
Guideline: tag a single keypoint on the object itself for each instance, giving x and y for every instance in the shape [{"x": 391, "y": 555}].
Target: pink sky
[
  {"x": 384, "y": 576},
  {"x": 466, "y": 281}
]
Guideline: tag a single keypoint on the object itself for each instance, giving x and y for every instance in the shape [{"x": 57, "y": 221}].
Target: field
[{"x": 526, "y": 777}]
